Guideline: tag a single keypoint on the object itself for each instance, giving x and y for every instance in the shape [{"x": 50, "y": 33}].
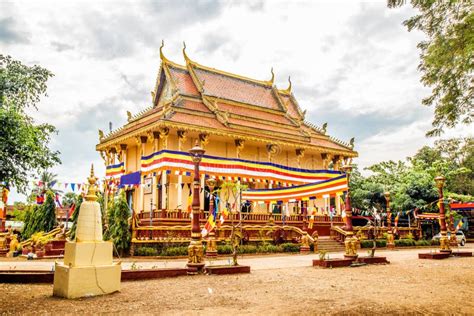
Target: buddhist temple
[{"x": 253, "y": 133}]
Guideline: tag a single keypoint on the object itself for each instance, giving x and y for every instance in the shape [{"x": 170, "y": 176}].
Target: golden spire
[
  {"x": 186, "y": 58},
  {"x": 273, "y": 76},
  {"x": 162, "y": 56},
  {"x": 90, "y": 196},
  {"x": 288, "y": 90}
]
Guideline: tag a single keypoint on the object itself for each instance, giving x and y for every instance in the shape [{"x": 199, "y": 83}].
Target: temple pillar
[
  {"x": 142, "y": 141},
  {"x": 164, "y": 178},
  {"x": 123, "y": 149},
  {"x": 338, "y": 203},
  {"x": 180, "y": 192}
]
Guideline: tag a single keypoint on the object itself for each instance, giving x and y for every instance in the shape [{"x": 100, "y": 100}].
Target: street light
[
  {"x": 195, "y": 248},
  {"x": 390, "y": 242},
  {"x": 443, "y": 241},
  {"x": 350, "y": 242}
]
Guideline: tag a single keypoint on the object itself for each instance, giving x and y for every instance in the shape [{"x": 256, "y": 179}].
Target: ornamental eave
[{"x": 199, "y": 129}]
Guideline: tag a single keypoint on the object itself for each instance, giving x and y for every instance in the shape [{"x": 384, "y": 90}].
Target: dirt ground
[{"x": 406, "y": 286}]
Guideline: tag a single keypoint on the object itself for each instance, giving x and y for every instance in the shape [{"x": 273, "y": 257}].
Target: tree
[
  {"x": 119, "y": 229},
  {"x": 69, "y": 199},
  {"x": 447, "y": 58},
  {"x": 23, "y": 144},
  {"x": 75, "y": 216},
  {"x": 49, "y": 213}
]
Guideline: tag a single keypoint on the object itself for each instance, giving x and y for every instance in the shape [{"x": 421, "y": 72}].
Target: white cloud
[{"x": 352, "y": 64}]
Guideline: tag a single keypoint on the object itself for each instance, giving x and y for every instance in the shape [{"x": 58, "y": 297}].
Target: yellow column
[
  {"x": 180, "y": 192},
  {"x": 143, "y": 140},
  {"x": 163, "y": 189},
  {"x": 123, "y": 148},
  {"x": 338, "y": 203}
]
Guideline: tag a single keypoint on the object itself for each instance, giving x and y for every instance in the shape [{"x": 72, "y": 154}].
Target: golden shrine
[{"x": 253, "y": 133}]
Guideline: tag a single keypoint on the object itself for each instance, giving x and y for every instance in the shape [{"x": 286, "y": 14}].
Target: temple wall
[{"x": 221, "y": 148}]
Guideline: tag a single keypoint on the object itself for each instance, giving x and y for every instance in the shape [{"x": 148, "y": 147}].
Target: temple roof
[{"x": 200, "y": 98}]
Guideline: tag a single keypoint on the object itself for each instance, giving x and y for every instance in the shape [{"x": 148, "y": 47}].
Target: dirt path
[{"x": 407, "y": 285}]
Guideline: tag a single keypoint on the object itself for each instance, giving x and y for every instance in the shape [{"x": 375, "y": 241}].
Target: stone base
[
  {"x": 146, "y": 274},
  {"x": 354, "y": 257},
  {"x": 195, "y": 268},
  {"x": 373, "y": 260},
  {"x": 82, "y": 281},
  {"x": 211, "y": 254},
  {"x": 305, "y": 250},
  {"x": 391, "y": 246},
  {"x": 332, "y": 263},
  {"x": 461, "y": 254},
  {"x": 434, "y": 255},
  {"x": 227, "y": 269}
]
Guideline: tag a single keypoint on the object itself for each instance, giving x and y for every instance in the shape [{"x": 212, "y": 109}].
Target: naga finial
[
  {"x": 186, "y": 58},
  {"x": 101, "y": 134},
  {"x": 273, "y": 76},
  {"x": 129, "y": 116},
  {"x": 162, "y": 56},
  {"x": 351, "y": 142},
  {"x": 324, "y": 128},
  {"x": 288, "y": 90}
]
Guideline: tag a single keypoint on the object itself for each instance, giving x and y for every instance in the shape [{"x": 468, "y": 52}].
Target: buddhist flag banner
[
  {"x": 459, "y": 225},
  {"x": 115, "y": 171},
  {"x": 233, "y": 167},
  {"x": 297, "y": 192}
]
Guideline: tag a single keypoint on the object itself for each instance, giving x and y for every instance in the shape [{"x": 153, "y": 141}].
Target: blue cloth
[{"x": 130, "y": 179}]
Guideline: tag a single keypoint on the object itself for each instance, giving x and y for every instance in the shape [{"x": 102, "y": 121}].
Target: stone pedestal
[{"x": 88, "y": 268}]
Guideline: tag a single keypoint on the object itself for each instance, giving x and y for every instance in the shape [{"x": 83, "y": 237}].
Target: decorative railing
[{"x": 159, "y": 215}]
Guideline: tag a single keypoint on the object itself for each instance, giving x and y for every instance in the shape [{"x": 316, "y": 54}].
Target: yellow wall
[{"x": 222, "y": 147}]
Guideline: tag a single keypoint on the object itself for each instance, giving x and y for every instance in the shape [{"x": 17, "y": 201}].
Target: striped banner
[
  {"x": 115, "y": 171},
  {"x": 305, "y": 191},
  {"x": 233, "y": 167}
]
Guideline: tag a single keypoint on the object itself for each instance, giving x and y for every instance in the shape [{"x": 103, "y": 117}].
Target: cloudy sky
[{"x": 353, "y": 64}]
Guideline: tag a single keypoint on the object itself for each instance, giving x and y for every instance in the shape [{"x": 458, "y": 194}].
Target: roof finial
[
  {"x": 288, "y": 90},
  {"x": 162, "y": 56},
  {"x": 186, "y": 58},
  {"x": 273, "y": 76}
]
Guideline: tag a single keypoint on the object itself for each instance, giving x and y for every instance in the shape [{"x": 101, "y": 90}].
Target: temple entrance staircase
[{"x": 330, "y": 245}]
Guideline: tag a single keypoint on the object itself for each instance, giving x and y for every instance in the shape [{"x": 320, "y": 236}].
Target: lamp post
[
  {"x": 195, "y": 249},
  {"x": 350, "y": 242},
  {"x": 443, "y": 242},
  {"x": 390, "y": 243},
  {"x": 211, "y": 250}
]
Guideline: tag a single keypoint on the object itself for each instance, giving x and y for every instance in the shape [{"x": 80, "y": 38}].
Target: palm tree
[{"x": 47, "y": 181}]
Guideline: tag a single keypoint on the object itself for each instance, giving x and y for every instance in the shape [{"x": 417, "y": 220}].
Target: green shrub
[
  {"x": 434, "y": 242},
  {"x": 422, "y": 242},
  {"x": 224, "y": 249},
  {"x": 289, "y": 247},
  {"x": 146, "y": 251},
  {"x": 404, "y": 243},
  {"x": 247, "y": 249},
  {"x": 380, "y": 243},
  {"x": 174, "y": 251},
  {"x": 268, "y": 248}
]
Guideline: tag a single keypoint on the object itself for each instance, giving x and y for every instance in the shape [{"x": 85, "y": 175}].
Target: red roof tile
[
  {"x": 253, "y": 113},
  {"x": 235, "y": 89},
  {"x": 266, "y": 127},
  {"x": 183, "y": 81},
  {"x": 195, "y": 106},
  {"x": 292, "y": 108}
]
